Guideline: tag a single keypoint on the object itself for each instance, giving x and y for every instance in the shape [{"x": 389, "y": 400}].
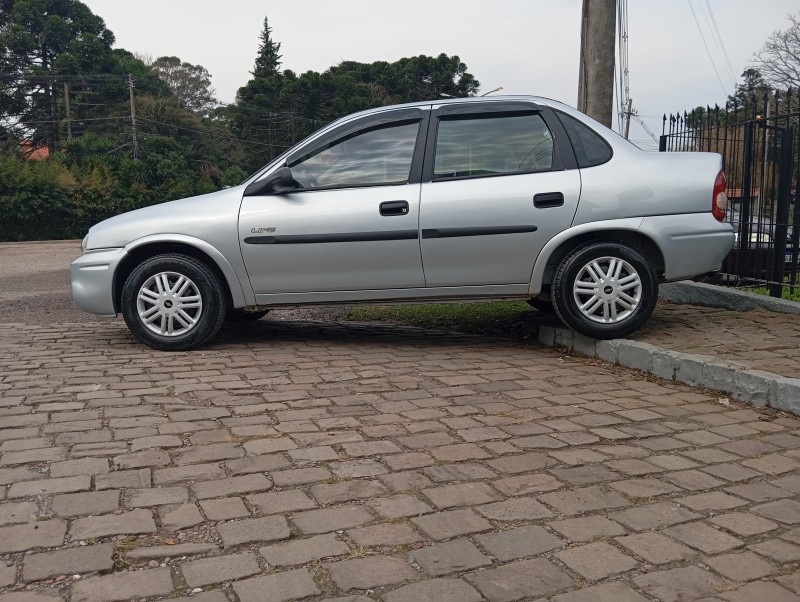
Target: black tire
[
  {"x": 193, "y": 322},
  {"x": 237, "y": 315},
  {"x": 601, "y": 323}
]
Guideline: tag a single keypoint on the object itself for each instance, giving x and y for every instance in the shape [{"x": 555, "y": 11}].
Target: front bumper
[{"x": 93, "y": 280}]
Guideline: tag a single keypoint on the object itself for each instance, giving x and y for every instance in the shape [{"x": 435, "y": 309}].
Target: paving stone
[
  {"x": 679, "y": 584},
  {"x": 39, "y": 534},
  {"x": 606, "y": 592},
  {"x": 701, "y": 536},
  {"x": 408, "y": 460},
  {"x": 450, "y": 557},
  {"x": 123, "y": 586},
  {"x": 398, "y": 506},
  {"x": 653, "y": 516},
  {"x": 745, "y": 566},
  {"x": 713, "y": 500},
  {"x": 142, "y": 459},
  {"x": 50, "y": 486},
  {"x": 760, "y": 590},
  {"x": 656, "y": 548},
  {"x": 344, "y": 491},
  {"x": 217, "y": 569},
  {"x": 353, "y": 469},
  {"x": 46, "y": 454},
  {"x": 515, "y": 509},
  {"x": 330, "y": 519},
  {"x": 160, "y": 496},
  {"x": 385, "y": 534},
  {"x": 32, "y": 596},
  {"x": 596, "y": 561},
  {"x": 773, "y": 464},
  {"x": 444, "y": 525},
  {"x": 163, "y": 441},
  {"x": 181, "y": 474},
  {"x": 82, "y": 504},
  {"x": 134, "y": 522},
  {"x": 587, "y": 528},
  {"x": 84, "y": 466},
  {"x": 461, "y": 494},
  {"x": 253, "y": 530},
  {"x": 83, "y": 559},
  {"x": 251, "y": 464},
  {"x": 743, "y": 524},
  {"x": 730, "y": 472},
  {"x": 170, "y": 551},
  {"x": 790, "y": 582},
  {"x": 224, "y": 509},
  {"x": 370, "y": 448},
  {"x": 643, "y": 488},
  {"x": 693, "y": 480},
  {"x": 784, "y": 511},
  {"x": 304, "y": 551},
  {"x": 230, "y": 486},
  {"x": 519, "y": 542},
  {"x": 18, "y": 512},
  {"x": 444, "y": 473},
  {"x": 778, "y": 550},
  {"x": 521, "y": 463},
  {"x": 183, "y": 516},
  {"x": 280, "y": 587},
  {"x": 758, "y": 491},
  {"x": 320, "y": 453},
  {"x": 585, "y": 499},
  {"x": 366, "y": 573},
  {"x": 134, "y": 479},
  {"x": 281, "y": 501},
  {"x": 8, "y": 575},
  {"x": 209, "y": 596},
  {"x": 434, "y": 590},
  {"x": 528, "y": 579},
  {"x": 300, "y": 476},
  {"x": 14, "y": 475},
  {"x": 584, "y": 475},
  {"x": 527, "y": 484}
]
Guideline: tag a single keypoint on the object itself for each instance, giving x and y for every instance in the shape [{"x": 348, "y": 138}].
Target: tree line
[{"x": 66, "y": 89}]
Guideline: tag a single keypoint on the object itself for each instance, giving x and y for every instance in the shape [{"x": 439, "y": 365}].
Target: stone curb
[
  {"x": 709, "y": 295},
  {"x": 753, "y": 386}
]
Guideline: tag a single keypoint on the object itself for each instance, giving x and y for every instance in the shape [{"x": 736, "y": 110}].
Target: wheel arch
[
  {"x": 145, "y": 248},
  {"x": 560, "y": 246}
]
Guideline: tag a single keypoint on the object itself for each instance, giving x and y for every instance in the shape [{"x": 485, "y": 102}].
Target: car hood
[{"x": 199, "y": 217}]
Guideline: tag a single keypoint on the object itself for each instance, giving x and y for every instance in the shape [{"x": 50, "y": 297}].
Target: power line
[
  {"x": 711, "y": 58},
  {"x": 721, "y": 44}
]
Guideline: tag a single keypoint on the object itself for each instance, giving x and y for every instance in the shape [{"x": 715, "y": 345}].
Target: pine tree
[{"x": 268, "y": 59}]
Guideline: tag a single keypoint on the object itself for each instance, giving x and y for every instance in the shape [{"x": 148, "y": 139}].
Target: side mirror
[{"x": 280, "y": 182}]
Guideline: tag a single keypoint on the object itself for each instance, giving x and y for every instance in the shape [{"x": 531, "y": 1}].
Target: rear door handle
[
  {"x": 548, "y": 199},
  {"x": 388, "y": 208}
]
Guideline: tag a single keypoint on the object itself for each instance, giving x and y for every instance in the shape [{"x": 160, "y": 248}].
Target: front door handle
[
  {"x": 548, "y": 199},
  {"x": 389, "y": 208}
]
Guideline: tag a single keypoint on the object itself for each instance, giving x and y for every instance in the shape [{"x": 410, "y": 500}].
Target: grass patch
[
  {"x": 497, "y": 318},
  {"x": 792, "y": 294}
]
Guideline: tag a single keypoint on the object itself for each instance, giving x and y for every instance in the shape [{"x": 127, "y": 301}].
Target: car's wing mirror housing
[{"x": 279, "y": 182}]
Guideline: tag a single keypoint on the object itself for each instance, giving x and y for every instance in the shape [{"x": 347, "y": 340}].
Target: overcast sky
[{"x": 526, "y": 46}]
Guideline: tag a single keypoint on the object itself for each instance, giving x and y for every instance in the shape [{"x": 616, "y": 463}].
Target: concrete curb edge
[
  {"x": 710, "y": 295},
  {"x": 753, "y": 386}
]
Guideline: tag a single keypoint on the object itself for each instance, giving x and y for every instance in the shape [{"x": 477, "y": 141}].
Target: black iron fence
[{"x": 759, "y": 142}]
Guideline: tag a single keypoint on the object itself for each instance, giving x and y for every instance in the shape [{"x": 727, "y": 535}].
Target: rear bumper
[
  {"x": 692, "y": 244},
  {"x": 93, "y": 280}
]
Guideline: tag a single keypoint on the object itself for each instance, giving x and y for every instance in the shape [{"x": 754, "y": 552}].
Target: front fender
[
  {"x": 631, "y": 224},
  {"x": 241, "y": 293}
]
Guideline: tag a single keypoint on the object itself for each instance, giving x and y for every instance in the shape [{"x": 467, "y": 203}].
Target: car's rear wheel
[
  {"x": 173, "y": 302},
  {"x": 604, "y": 289}
]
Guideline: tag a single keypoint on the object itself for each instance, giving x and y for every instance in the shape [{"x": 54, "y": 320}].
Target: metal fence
[{"x": 758, "y": 139}]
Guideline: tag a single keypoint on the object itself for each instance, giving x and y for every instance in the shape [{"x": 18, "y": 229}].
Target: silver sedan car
[{"x": 462, "y": 199}]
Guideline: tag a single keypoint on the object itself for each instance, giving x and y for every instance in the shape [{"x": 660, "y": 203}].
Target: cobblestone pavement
[{"x": 311, "y": 460}]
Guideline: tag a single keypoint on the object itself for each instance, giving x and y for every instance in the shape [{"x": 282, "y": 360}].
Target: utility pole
[
  {"x": 131, "y": 83},
  {"x": 596, "y": 73},
  {"x": 66, "y": 111}
]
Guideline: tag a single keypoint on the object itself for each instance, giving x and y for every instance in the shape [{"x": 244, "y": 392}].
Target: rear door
[
  {"x": 495, "y": 189},
  {"x": 352, "y": 222}
]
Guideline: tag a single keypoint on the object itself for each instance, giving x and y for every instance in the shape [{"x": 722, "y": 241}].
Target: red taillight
[{"x": 719, "y": 202}]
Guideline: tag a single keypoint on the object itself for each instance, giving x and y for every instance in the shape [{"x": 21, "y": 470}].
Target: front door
[{"x": 351, "y": 224}]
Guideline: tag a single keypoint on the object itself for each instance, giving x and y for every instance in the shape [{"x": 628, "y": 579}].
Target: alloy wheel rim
[
  {"x": 607, "y": 290},
  {"x": 169, "y": 304}
]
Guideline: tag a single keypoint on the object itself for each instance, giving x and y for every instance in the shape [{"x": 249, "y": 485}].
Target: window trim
[
  {"x": 478, "y": 110},
  {"x": 378, "y": 121},
  {"x": 557, "y": 117}
]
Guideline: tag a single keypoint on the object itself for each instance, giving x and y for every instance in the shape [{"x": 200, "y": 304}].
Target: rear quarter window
[{"x": 590, "y": 148}]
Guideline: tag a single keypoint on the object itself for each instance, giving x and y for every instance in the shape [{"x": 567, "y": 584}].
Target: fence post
[
  {"x": 782, "y": 221},
  {"x": 662, "y": 143},
  {"x": 743, "y": 257}
]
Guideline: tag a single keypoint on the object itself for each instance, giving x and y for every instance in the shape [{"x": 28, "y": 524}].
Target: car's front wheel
[
  {"x": 173, "y": 302},
  {"x": 604, "y": 289}
]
